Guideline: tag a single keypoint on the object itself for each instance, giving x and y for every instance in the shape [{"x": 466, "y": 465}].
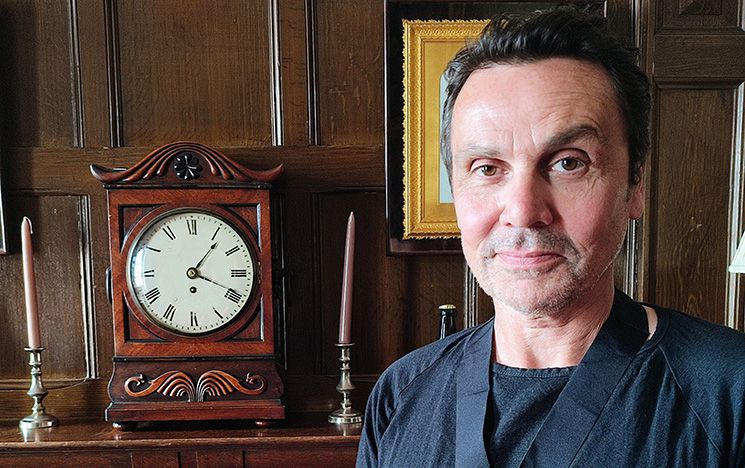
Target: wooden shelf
[{"x": 301, "y": 440}]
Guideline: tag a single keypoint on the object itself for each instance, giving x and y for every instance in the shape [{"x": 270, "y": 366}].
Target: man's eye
[
  {"x": 487, "y": 170},
  {"x": 567, "y": 165}
]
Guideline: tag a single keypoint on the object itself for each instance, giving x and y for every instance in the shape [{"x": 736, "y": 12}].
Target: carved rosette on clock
[{"x": 191, "y": 289}]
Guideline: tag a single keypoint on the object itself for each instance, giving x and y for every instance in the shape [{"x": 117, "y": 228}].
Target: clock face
[{"x": 191, "y": 272}]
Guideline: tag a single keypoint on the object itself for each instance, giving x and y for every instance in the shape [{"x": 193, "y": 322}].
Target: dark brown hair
[{"x": 562, "y": 32}]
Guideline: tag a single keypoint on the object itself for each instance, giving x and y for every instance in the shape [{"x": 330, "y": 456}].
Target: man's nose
[{"x": 525, "y": 201}]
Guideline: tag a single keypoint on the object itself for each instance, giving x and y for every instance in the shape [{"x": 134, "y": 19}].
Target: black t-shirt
[{"x": 519, "y": 401}]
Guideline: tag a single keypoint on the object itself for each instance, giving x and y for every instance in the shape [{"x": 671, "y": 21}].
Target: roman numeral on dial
[
  {"x": 169, "y": 232},
  {"x": 170, "y": 312},
  {"x": 191, "y": 226},
  {"x": 238, "y": 273},
  {"x": 233, "y": 296},
  {"x": 232, "y": 251},
  {"x": 152, "y": 295},
  {"x": 217, "y": 313},
  {"x": 149, "y": 274},
  {"x": 194, "y": 322}
]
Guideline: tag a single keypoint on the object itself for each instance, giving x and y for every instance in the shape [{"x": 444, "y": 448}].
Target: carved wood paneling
[
  {"x": 294, "y": 70},
  {"x": 313, "y": 168},
  {"x": 699, "y": 14},
  {"x": 95, "y": 119},
  {"x": 700, "y": 7},
  {"x": 205, "y": 75},
  {"x": 690, "y": 200},
  {"x": 37, "y": 94},
  {"x": 695, "y": 50},
  {"x": 60, "y": 224},
  {"x": 701, "y": 57},
  {"x": 349, "y": 72}
]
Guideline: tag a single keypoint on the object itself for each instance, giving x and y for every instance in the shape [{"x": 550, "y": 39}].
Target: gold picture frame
[{"x": 428, "y": 46}]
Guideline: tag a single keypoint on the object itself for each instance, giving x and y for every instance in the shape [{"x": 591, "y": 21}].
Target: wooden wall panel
[
  {"x": 349, "y": 42},
  {"x": 301, "y": 324},
  {"x": 294, "y": 71},
  {"x": 693, "y": 54},
  {"x": 90, "y": 18},
  {"x": 58, "y": 222},
  {"x": 36, "y": 96},
  {"x": 690, "y": 200},
  {"x": 699, "y": 14},
  {"x": 395, "y": 298},
  {"x": 194, "y": 70},
  {"x": 691, "y": 57}
]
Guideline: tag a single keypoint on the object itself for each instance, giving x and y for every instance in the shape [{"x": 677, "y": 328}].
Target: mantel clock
[{"x": 191, "y": 289}]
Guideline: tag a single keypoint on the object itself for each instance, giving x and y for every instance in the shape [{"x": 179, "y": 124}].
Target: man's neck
[{"x": 559, "y": 340}]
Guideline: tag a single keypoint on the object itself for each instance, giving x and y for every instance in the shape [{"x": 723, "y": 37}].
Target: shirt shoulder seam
[
  {"x": 687, "y": 401},
  {"x": 418, "y": 374}
]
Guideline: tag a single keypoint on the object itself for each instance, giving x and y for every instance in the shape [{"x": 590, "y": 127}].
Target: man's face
[{"x": 540, "y": 182}]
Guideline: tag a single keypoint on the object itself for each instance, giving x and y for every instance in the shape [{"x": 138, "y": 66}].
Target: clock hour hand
[{"x": 212, "y": 247}]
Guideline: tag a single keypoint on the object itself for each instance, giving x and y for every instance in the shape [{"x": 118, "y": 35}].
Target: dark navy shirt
[{"x": 679, "y": 402}]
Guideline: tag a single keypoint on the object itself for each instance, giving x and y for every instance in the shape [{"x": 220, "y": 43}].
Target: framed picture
[
  {"x": 419, "y": 218},
  {"x": 423, "y": 236},
  {"x": 428, "y": 47}
]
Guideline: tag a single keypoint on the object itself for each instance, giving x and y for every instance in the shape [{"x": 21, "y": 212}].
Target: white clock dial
[{"x": 191, "y": 272}]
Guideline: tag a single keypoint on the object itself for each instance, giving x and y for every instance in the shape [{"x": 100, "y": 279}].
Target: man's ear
[{"x": 636, "y": 197}]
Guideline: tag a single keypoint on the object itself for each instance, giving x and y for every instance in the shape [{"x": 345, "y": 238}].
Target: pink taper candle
[
  {"x": 29, "y": 284},
  {"x": 345, "y": 316}
]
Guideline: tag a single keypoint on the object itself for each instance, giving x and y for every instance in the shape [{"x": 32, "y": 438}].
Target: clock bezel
[{"x": 247, "y": 314}]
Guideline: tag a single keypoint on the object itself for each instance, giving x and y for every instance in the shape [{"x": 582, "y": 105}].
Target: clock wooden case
[{"x": 191, "y": 289}]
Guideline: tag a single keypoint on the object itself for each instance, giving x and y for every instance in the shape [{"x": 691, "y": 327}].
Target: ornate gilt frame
[{"x": 428, "y": 45}]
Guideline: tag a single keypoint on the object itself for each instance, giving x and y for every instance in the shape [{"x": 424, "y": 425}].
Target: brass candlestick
[
  {"x": 38, "y": 417},
  {"x": 346, "y": 414}
]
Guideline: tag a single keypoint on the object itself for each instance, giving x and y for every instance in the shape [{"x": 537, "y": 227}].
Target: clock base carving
[{"x": 184, "y": 390}]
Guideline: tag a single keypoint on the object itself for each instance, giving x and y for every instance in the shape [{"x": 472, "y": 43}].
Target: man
[{"x": 544, "y": 134}]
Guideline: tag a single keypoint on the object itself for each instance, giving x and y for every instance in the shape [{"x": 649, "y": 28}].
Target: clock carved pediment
[{"x": 185, "y": 162}]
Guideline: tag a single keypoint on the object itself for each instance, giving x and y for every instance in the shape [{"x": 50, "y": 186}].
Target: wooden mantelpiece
[{"x": 302, "y": 440}]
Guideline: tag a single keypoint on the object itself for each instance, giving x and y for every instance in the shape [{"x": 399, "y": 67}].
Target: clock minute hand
[
  {"x": 212, "y": 247},
  {"x": 213, "y": 282}
]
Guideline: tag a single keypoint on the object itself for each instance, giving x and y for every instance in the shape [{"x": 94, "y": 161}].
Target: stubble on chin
[{"x": 536, "y": 293}]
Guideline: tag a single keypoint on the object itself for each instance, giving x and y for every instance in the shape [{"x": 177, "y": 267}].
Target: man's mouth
[{"x": 528, "y": 260}]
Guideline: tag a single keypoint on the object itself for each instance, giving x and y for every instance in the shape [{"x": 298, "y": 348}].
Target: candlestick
[
  {"x": 346, "y": 414},
  {"x": 38, "y": 417},
  {"x": 29, "y": 285},
  {"x": 345, "y": 314}
]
